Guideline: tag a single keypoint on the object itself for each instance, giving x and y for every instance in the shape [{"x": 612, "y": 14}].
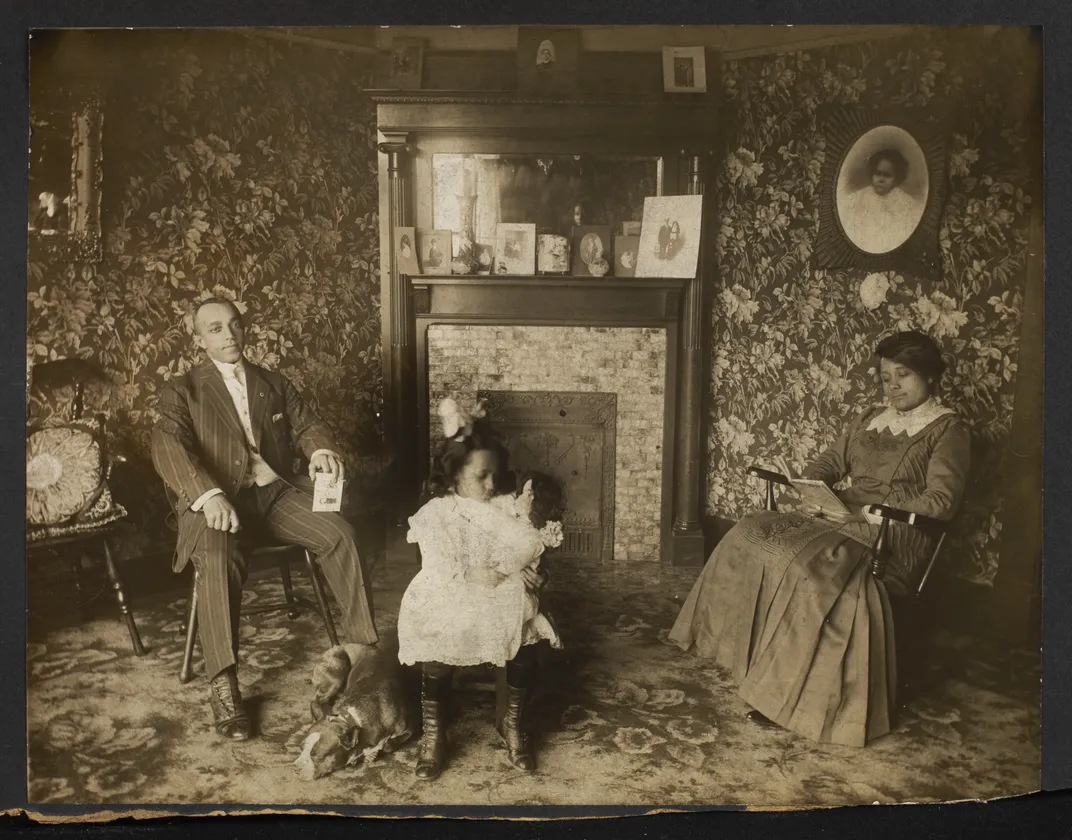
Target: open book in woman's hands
[{"x": 812, "y": 491}]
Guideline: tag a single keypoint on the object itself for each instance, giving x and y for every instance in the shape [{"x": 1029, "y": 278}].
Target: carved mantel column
[
  {"x": 688, "y": 539},
  {"x": 400, "y": 427}
]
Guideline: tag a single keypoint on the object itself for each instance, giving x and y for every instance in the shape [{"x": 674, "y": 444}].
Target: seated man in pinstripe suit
[{"x": 224, "y": 444}]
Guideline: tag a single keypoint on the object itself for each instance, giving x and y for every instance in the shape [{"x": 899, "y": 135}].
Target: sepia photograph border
[{"x": 1057, "y": 732}]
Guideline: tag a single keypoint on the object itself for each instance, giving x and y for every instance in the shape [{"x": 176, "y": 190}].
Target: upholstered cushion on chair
[
  {"x": 65, "y": 472},
  {"x": 104, "y": 511}
]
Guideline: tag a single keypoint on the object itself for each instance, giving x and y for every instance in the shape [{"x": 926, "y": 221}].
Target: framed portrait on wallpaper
[
  {"x": 65, "y": 177},
  {"x": 407, "y": 63},
  {"x": 883, "y": 187}
]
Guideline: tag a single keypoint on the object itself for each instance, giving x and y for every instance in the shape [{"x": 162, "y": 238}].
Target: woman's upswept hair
[
  {"x": 894, "y": 158},
  {"x": 452, "y": 454},
  {"x": 916, "y": 351}
]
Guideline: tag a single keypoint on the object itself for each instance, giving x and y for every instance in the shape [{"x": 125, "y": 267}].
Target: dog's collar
[
  {"x": 348, "y": 717},
  {"x": 351, "y": 713}
]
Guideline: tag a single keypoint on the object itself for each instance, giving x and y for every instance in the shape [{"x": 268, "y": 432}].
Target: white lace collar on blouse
[{"x": 909, "y": 422}]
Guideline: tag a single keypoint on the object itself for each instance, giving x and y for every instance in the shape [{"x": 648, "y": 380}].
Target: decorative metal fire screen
[{"x": 570, "y": 436}]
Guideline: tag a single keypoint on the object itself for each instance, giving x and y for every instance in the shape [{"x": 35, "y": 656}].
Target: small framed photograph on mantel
[
  {"x": 434, "y": 247},
  {"x": 670, "y": 236},
  {"x": 625, "y": 255},
  {"x": 515, "y": 248},
  {"x": 684, "y": 70},
  {"x": 406, "y": 251},
  {"x": 591, "y": 249}
]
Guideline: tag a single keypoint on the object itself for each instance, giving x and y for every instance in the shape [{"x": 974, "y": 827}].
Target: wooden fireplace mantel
[
  {"x": 679, "y": 132},
  {"x": 647, "y": 125},
  {"x": 541, "y": 299}
]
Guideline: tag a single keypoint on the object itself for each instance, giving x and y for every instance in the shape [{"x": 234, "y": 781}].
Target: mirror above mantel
[{"x": 553, "y": 192}]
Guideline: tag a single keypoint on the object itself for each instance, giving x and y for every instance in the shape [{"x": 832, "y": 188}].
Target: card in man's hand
[{"x": 327, "y": 494}]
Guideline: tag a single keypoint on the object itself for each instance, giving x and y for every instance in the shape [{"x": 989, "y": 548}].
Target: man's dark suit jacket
[{"x": 198, "y": 442}]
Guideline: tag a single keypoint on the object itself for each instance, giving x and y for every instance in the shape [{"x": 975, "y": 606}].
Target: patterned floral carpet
[{"x": 624, "y": 718}]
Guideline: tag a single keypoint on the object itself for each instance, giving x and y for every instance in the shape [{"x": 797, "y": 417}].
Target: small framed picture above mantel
[
  {"x": 407, "y": 63},
  {"x": 548, "y": 59},
  {"x": 685, "y": 69}
]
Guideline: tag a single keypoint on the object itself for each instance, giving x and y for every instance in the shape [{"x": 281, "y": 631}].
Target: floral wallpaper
[
  {"x": 791, "y": 345},
  {"x": 238, "y": 167}
]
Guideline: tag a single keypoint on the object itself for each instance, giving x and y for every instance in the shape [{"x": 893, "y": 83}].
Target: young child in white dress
[{"x": 473, "y": 601}]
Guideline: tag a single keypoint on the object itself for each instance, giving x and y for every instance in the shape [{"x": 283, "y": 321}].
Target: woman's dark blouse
[{"x": 923, "y": 473}]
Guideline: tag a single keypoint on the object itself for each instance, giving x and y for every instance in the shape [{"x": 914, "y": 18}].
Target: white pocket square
[{"x": 276, "y": 418}]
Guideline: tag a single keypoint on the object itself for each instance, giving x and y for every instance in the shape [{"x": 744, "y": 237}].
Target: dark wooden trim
[
  {"x": 672, "y": 124},
  {"x": 672, "y": 551},
  {"x": 549, "y": 300}
]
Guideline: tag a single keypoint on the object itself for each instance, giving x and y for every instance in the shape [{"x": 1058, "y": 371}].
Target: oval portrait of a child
[{"x": 882, "y": 189}]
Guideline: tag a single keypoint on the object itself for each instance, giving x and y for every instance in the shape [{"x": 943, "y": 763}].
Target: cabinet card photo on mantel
[
  {"x": 591, "y": 248},
  {"x": 670, "y": 236},
  {"x": 434, "y": 247},
  {"x": 625, "y": 255},
  {"x": 406, "y": 251},
  {"x": 515, "y": 248}
]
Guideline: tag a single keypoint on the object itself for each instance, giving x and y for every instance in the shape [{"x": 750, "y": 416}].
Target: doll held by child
[{"x": 540, "y": 503}]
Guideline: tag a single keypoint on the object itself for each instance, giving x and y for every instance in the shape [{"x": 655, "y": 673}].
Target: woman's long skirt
[{"x": 788, "y": 603}]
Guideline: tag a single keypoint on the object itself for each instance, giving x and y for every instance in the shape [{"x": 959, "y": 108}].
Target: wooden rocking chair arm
[
  {"x": 880, "y": 550},
  {"x": 768, "y": 475},
  {"x": 928, "y": 524}
]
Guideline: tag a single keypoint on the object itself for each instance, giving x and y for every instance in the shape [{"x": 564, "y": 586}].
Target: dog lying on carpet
[{"x": 358, "y": 707}]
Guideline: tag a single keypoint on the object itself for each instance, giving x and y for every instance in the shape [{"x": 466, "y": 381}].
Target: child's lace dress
[{"x": 443, "y": 617}]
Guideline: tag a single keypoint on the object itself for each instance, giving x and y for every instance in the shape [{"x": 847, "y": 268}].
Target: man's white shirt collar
[{"x": 229, "y": 371}]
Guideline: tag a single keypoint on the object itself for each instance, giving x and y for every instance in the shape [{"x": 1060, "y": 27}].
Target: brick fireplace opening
[
  {"x": 586, "y": 387},
  {"x": 570, "y": 436}
]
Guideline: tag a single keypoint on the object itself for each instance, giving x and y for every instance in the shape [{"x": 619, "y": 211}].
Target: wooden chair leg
[
  {"x": 186, "y": 674},
  {"x": 79, "y": 586},
  {"x": 321, "y": 599},
  {"x": 769, "y": 501},
  {"x": 117, "y": 585},
  {"x": 288, "y": 589}
]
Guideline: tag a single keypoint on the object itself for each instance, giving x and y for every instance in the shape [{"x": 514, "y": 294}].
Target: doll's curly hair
[
  {"x": 548, "y": 498},
  {"x": 453, "y": 453}
]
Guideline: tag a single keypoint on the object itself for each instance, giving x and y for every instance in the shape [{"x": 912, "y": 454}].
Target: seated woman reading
[{"x": 788, "y": 602}]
